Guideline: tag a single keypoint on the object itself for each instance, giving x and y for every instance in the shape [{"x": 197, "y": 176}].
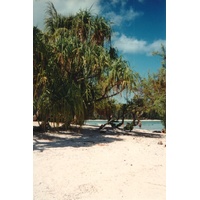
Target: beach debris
[
  {"x": 156, "y": 131},
  {"x": 164, "y": 131},
  {"x": 160, "y": 143},
  {"x": 102, "y": 144}
]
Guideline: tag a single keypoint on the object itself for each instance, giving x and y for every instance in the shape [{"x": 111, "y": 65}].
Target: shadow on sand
[
  {"x": 87, "y": 137},
  {"x": 84, "y": 137},
  {"x": 149, "y": 135},
  {"x": 134, "y": 133}
]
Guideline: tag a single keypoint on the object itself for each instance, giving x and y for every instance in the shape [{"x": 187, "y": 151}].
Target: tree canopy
[
  {"x": 75, "y": 67},
  {"x": 77, "y": 72},
  {"x": 152, "y": 91}
]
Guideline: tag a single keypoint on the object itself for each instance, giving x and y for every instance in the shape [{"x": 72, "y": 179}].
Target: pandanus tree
[
  {"x": 152, "y": 90},
  {"x": 73, "y": 71},
  {"x": 149, "y": 94},
  {"x": 159, "y": 86}
]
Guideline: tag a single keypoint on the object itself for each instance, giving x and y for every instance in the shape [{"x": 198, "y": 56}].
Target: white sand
[{"x": 99, "y": 166}]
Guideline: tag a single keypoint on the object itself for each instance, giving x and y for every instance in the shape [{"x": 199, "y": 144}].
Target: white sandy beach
[{"x": 104, "y": 166}]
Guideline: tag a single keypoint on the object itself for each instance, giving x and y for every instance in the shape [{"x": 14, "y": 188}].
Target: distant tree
[
  {"x": 155, "y": 94},
  {"x": 136, "y": 109},
  {"x": 162, "y": 54},
  {"x": 106, "y": 108},
  {"x": 154, "y": 89},
  {"x": 149, "y": 99}
]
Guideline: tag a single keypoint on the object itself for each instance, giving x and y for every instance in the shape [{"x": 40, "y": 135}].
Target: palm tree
[
  {"x": 162, "y": 54},
  {"x": 102, "y": 31},
  {"x": 40, "y": 57},
  {"x": 54, "y": 20},
  {"x": 77, "y": 70}
]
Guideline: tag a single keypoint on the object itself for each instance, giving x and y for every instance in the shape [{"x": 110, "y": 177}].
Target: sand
[{"x": 99, "y": 166}]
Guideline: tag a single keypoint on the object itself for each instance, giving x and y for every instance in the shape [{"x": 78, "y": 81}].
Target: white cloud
[
  {"x": 67, "y": 7},
  {"x": 135, "y": 46},
  {"x": 125, "y": 15},
  {"x": 156, "y": 45},
  {"x": 123, "y": 2},
  {"x": 130, "y": 14},
  {"x": 114, "y": 18},
  {"x": 114, "y": 2},
  {"x": 115, "y": 35},
  {"x": 64, "y": 7},
  {"x": 130, "y": 45},
  {"x": 39, "y": 8}
]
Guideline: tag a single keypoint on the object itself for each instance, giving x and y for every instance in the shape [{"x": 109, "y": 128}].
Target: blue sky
[{"x": 139, "y": 26}]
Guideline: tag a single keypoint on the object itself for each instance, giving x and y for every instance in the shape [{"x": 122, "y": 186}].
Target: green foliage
[
  {"x": 76, "y": 72},
  {"x": 153, "y": 89},
  {"x": 106, "y": 108},
  {"x": 149, "y": 98},
  {"x": 129, "y": 126},
  {"x": 72, "y": 69},
  {"x": 162, "y": 54}
]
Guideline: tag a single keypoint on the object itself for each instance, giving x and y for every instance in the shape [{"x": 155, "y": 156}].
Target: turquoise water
[{"x": 154, "y": 125}]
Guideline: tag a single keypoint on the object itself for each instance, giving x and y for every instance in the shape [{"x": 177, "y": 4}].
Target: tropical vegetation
[{"x": 77, "y": 72}]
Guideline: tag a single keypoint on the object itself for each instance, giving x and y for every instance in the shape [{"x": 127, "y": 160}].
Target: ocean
[{"x": 153, "y": 125}]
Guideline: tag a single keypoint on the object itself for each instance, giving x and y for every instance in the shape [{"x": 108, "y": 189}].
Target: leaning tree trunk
[{"x": 109, "y": 122}]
